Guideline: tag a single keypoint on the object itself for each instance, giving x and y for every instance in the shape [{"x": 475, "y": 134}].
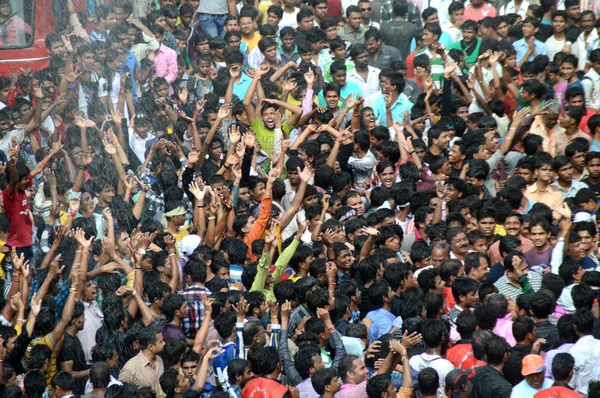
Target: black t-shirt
[
  {"x": 430, "y": 157},
  {"x": 215, "y": 284},
  {"x": 72, "y": 350},
  {"x": 593, "y": 187}
]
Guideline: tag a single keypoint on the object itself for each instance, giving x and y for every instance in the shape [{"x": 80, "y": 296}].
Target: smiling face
[
  {"x": 460, "y": 244},
  {"x": 387, "y": 177},
  {"x": 332, "y": 98}
]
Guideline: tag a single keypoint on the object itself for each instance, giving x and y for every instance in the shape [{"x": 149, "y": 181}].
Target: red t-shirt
[
  {"x": 16, "y": 206},
  {"x": 461, "y": 356}
]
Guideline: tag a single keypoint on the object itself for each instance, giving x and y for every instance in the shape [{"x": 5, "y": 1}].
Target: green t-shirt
[
  {"x": 470, "y": 56},
  {"x": 266, "y": 136}
]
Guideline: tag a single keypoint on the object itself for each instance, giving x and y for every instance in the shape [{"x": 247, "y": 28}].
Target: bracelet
[
  {"x": 79, "y": 251},
  {"x": 20, "y": 320},
  {"x": 138, "y": 269},
  {"x": 134, "y": 293},
  {"x": 73, "y": 290},
  {"x": 200, "y": 207},
  {"x": 171, "y": 254},
  {"x": 210, "y": 218},
  {"x": 508, "y": 138}
]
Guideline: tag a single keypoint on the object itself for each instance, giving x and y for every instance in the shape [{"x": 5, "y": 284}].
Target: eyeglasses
[{"x": 366, "y": 9}]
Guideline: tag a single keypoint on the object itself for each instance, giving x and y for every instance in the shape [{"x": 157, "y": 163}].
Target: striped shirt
[
  {"x": 508, "y": 289},
  {"x": 437, "y": 67}
]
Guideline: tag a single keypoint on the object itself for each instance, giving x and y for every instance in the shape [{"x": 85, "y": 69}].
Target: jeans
[{"x": 212, "y": 26}]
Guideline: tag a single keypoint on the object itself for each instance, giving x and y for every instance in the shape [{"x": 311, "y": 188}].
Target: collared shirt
[
  {"x": 510, "y": 8},
  {"x": 565, "y": 300},
  {"x": 194, "y": 295},
  {"x": 93, "y": 322},
  {"x": 539, "y": 128},
  {"x": 382, "y": 323},
  {"x": 255, "y": 58},
  {"x": 454, "y": 32},
  {"x": 285, "y": 59},
  {"x": 550, "y": 197},
  {"x": 138, "y": 144},
  {"x": 586, "y": 352},
  {"x": 550, "y": 356},
  {"x": 572, "y": 190},
  {"x": 402, "y": 104},
  {"x": 351, "y": 37},
  {"x": 562, "y": 140},
  {"x": 508, "y": 289},
  {"x": 349, "y": 88},
  {"x": 490, "y": 383},
  {"x": 362, "y": 169},
  {"x": 387, "y": 55},
  {"x": 524, "y": 390},
  {"x": 591, "y": 86},
  {"x": 579, "y": 48},
  {"x": 165, "y": 65},
  {"x": 442, "y": 7},
  {"x": 368, "y": 87},
  {"x": 241, "y": 88},
  {"x": 503, "y": 328},
  {"x": 143, "y": 373},
  {"x": 521, "y": 48}
]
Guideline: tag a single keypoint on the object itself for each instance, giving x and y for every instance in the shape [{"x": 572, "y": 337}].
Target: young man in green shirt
[
  {"x": 264, "y": 123},
  {"x": 470, "y": 43}
]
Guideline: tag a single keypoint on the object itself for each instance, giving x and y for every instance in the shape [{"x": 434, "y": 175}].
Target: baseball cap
[
  {"x": 532, "y": 364},
  {"x": 457, "y": 378}
]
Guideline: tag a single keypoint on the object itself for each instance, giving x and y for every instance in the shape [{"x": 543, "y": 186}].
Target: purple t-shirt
[{"x": 535, "y": 258}]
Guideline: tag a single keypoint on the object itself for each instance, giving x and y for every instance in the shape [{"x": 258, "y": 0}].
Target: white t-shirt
[
  {"x": 114, "y": 93},
  {"x": 138, "y": 144},
  {"x": 442, "y": 367},
  {"x": 289, "y": 19},
  {"x": 6, "y": 140},
  {"x": 554, "y": 46}
]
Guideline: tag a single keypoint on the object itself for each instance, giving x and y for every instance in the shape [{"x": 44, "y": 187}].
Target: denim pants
[{"x": 212, "y": 25}]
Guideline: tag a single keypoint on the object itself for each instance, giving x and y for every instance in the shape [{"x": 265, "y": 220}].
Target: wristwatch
[{"x": 568, "y": 43}]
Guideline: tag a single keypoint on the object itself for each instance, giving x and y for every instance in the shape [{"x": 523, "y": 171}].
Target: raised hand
[
  {"x": 305, "y": 174},
  {"x": 224, "y": 111},
  {"x": 198, "y": 190},
  {"x": 372, "y": 232}
]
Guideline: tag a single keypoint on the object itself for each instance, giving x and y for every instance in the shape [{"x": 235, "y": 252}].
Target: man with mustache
[
  {"x": 459, "y": 244},
  {"x": 512, "y": 226}
]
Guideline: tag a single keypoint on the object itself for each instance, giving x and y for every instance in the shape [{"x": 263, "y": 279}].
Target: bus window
[{"x": 16, "y": 21}]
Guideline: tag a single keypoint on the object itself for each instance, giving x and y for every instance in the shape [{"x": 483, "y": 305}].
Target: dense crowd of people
[{"x": 279, "y": 198}]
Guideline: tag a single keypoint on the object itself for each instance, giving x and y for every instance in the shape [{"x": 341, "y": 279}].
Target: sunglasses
[{"x": 366, "y": 9}]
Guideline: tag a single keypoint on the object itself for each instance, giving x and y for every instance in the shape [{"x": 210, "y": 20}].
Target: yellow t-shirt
[
  {"x": 47, "y": 340},
  {"x": 182, "y": 233},
  {"x": 263, "y": 6},
  {"x": 252, "y": 43}
]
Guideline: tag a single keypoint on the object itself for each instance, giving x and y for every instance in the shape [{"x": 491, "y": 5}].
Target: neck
[
  {"x": 362, "y": 69},
  {"x": 435, "y": 351},
  {"x": 559, "y": 35},
  {"x": 72, "y": 330},
  {"x": 564, "y": 184},
  {"x": 542, "y": 185},
  {"x": 435, "y": 150},
  {"x": 302, "y": 273},
  {"x": 176, "y": 321},
  {"x": 172, "y": 227},
  {"x": 99, "y": 391},
  {"x": 353, "y": 306},
  {"x": 572, "y": 129},
  {"x": 458, "y": 165},
  {"x": 542, "y": 249},
  {"x": 499, "y": 368},
  {"x": 459, "y": 256}
]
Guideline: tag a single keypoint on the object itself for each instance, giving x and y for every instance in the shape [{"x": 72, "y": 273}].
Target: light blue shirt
[
  {"x": 444, "y": 39},
  {"x": 521, "y": 49},
  {"x": 524, "y": 390},
  {"x": 349, "y": 88},
  {"x": 382, "y": 323},
  {"x": 595, "y": 146},
  {"x": 398, "y": 108},
  {"x": 575, "y": 187}
]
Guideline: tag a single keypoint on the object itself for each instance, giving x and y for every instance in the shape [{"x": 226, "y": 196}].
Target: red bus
[{"x": 22, "y": 34}]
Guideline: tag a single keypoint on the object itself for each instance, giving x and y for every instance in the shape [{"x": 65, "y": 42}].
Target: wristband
[{"x": 72, "y": 87}]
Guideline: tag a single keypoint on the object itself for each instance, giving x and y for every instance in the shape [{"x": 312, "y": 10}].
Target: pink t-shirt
[{"x": 477, "y": 15}]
